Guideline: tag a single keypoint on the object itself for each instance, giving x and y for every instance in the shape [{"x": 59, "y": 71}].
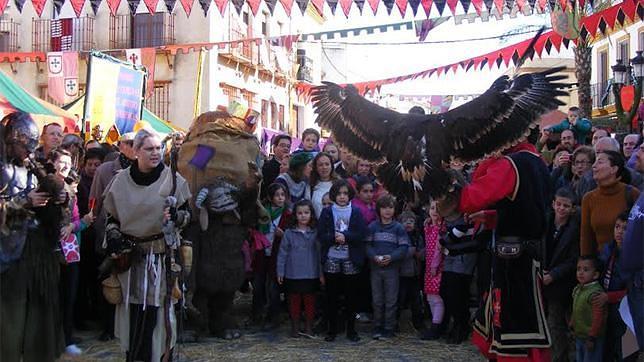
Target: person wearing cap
[
  {"x": 295, "y": 180},
  {"x": 102, "y": 178},
  {"x": 281, "y": 144}
]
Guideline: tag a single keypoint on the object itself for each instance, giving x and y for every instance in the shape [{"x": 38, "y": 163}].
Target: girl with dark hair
[
  {"x": 320, "y": 181},
  {"x": 341, "y": 231},
  {"x": 298, "y": 267},
  {"x": 265, "y": 288},
  {"x": 600, "y": 207},
  {"x": 296, "y": 178}
]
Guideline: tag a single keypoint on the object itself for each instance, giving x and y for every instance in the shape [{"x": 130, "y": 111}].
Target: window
[
  {"x": 281, "y": 118},
  {"x": 51, "y": 35},
  {"x": 159, "y": 101},
  {"x": 231, "y": 92},
  {"x": 640, "y": 40},
  {"x": 249, "y": 97},
  {"x": 603, "y": 66},
  {"x": 264, "y": 114},
  {"x": 623, "y": 53},
  {"x": 274, "y": 121},
  {"x": 9, "y": 35},
  {"x": 280, "y": 28},
  {"x": 141, "y": 30}
]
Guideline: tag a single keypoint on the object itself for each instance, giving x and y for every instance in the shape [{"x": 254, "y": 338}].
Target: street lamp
[{"x": 622, "y": 75}]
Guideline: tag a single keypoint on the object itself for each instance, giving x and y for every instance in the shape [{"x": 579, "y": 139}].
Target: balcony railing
[
  {"x": 9, "y": 30},
  {"x": 141, "y": 30},
  {"x": 304, "y": 70},
  {"x": 244, "y": 52},
  {"x": 602, "y": 94},
  {"x": 63, "y": 34}
]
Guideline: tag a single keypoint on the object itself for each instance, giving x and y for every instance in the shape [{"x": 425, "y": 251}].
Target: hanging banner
[
  {"x": 62, "y": 80},
  {"x": 145, "y": 57},
  {"x": 114, "y": 93}
]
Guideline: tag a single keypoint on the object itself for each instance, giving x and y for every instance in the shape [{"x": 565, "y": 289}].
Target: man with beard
[
  {"x": 89, "y": 290},
  {"x": 102, "y": 178},
  {"x": 31, "y": 328}
]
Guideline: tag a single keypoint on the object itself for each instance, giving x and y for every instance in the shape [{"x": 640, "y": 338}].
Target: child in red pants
[{"x": 298, "y": 267}]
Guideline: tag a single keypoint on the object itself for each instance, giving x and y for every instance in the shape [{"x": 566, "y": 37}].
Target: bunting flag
[
  {"x": 19, "y": 4},
  {"x": 77, "y": 5},
  {"x": 319, "y": 6},
  {"x": 147, "y": 58},
  {"x": 287, "y": 5},
  {"x": 187, "y": 6},
  {"x": 133, "y": 4},
  {"x": 346, "y": 7},
  {"x": 423, "y": 27},
  {"x": 359, "y": 4},
  {"x": 302, "y": 4},
  {"x": 39, "y": 6},
  {"x": 205, "y": 5},
  {"x": 114, "y": 6},
  {"x": 95, "y": 4},
  {"x": 169, "y": 5},
  {"x": 3, "y": 5},
  {"x": 270, "y": 4},
  {"x": 482, "y": 8},
  {"x": 254, "y": 6},
  {"x": 221, "y": 5},
  {"x": 62, "y": 81},
  {"x": 151, "y": 5}
]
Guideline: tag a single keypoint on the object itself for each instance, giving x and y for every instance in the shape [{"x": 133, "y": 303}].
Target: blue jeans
[
  {"x": 584, "y": 355},
  {"x": 636, "y": 305}
]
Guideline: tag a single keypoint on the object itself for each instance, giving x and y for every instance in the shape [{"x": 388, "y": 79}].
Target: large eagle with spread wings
[{"x": 413, "y": 151}]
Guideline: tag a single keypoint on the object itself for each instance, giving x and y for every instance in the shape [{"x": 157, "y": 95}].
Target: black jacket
[
  {"x": 354, "y": 235},
  {"x": 561, "y": 257}
]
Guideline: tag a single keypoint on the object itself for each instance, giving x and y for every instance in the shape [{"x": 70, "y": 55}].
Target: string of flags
[
  {"x": 466, "y": 6},
  {"x": 603, "y": 21}
]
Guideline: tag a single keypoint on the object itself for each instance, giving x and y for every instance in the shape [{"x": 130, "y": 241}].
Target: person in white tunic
[{"x": 135, "y": 205}]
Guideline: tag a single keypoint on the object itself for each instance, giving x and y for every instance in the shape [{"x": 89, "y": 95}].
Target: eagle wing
[
  {"x": 502, "y": 116},
  {"x": 364, "y": 128}
]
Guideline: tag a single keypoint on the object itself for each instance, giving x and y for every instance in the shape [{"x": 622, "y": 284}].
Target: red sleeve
[
  {"x": 598, "y": 318},
  {"x": 489, "y": 186},
  {"x": 616, "y": 296}
]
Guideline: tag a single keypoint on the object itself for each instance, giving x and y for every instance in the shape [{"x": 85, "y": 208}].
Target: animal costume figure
[
  {"x": 220, "y": 159},
  {"x": 31, "y": 328}
]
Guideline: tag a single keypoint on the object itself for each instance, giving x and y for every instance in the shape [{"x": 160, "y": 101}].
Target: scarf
[
  {"x": 148, "y": 178},
  {"x": 274, "y": 213}
]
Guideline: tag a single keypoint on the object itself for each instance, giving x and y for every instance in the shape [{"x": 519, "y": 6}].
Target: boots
[{"x": 432, "y": 333}]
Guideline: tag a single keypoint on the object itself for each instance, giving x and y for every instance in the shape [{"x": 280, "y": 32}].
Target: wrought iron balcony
[
  {"x": 141, "y": 30},
  {"x": 602, "y": 94},
  {"x": 50, "y": 35},
  {"x": 9, "y": 30}
]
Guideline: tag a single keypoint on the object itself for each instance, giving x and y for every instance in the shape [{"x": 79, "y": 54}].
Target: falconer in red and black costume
[{"x": 511, "y": 323}]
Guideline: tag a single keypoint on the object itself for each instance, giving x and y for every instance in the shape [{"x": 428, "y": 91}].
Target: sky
[{"x": 371, "y": 62}]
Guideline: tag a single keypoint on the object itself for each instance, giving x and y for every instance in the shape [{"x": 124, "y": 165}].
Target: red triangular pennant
[
  {"x": 402, "y": 7},
  {"x": 563, "y": 4},
  {"x": 3, "y": 5},
  {"x": 521, "y": 5},
  {"x": 499, "y": 6},
  {"x": 427, "y": 6},
  {"x": 151, "y": 5},
  {"x": 374, "y": 5},
  {"x": 114, "y": 6},
  {"x": 254, "y": 6},
  {"x": 478, "y": 6},
  {"x": 187, "y": 6},
  {"x": 39, "y": 6},
  {"x": 542, "y": 5},
  {"x": 287, "y": 5},
  {"x": 346, "y": 6},
  {"x": 610, "y": 16},
  {"x": 221, "y": 5},
  {"x": 77, "y": 5},
  {"x": 452, "y": 5},
  {"x": 319, "y": 6}
]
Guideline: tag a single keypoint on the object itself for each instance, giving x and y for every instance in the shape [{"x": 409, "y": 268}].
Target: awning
[{"x": 13, "y": 97}]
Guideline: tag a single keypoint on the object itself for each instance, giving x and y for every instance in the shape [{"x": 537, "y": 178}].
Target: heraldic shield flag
[{"x": 62, "y": 84}]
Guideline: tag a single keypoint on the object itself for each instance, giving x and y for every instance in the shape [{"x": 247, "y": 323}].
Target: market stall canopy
[
  {"x": 158, "y": 124},
  {"x": 13, "y": 97}
]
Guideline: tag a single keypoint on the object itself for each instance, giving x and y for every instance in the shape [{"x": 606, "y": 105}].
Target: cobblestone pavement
[{"x": 255, "y": 345}]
